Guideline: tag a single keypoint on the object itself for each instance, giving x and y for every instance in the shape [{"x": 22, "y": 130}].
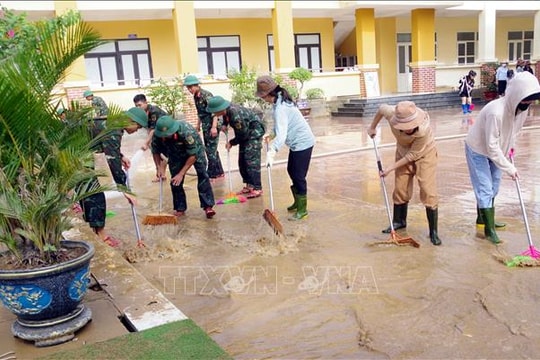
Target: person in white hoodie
[{"x": 489, "y": 142}]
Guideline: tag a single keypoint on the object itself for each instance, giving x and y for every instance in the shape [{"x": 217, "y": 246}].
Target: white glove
[{"x": 270, "y": 155}]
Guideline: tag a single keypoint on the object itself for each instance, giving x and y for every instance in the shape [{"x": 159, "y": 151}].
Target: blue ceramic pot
[{"x": 50, "y": 292}]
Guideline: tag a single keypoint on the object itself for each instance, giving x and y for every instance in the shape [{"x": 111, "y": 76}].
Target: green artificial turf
[{"x": 177, "y": 340}]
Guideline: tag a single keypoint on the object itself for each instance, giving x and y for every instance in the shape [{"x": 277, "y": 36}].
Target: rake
[
  {"x": 269, "y": 214},
  {"x": 395, "y": 238}
]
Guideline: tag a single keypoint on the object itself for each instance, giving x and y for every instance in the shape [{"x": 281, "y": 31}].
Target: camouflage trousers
[
  {"x": 215, "y": 169},
  {"x": 94, "y": 207},
  {"x": 249, "y": 162},
  {"x": 206, "y": 194}
]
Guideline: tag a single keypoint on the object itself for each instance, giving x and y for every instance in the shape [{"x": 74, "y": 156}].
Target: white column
[
  {"x": 486, "y": 34},
  {"x": 536, "y": 41}
]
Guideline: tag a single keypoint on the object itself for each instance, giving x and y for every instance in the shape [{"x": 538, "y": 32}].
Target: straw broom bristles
[{"x": 160, "y": 219}]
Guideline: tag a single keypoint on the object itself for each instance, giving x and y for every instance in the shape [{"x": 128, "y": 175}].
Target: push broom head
[
  {"x": 273, "y": 221},
  {"x": 160, "y": 219}
]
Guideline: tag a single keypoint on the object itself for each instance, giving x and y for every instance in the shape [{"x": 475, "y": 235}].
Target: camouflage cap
[
  {"x": 60, "y": 111},
  {"x": 166, "y": 126},
  {"x": 138, "y": 115},
  {"x": 88, "y": 93},
  {"x": 217, "y": 104},
  {"x": 191, "y": 80}
]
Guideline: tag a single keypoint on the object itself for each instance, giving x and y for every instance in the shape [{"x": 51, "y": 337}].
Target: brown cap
[
  {"x": 407, "y": 116},
  {"x": 265, "y": 84}
]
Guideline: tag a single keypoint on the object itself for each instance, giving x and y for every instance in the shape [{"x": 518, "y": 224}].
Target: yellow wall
[
  {"x": 386, "y": 54},
  {"x": 160, "y": 33},
  {"x": 252, "y": 34},
  {"x": 325, "y": 27},
  {"x": 348, "y": 47}
]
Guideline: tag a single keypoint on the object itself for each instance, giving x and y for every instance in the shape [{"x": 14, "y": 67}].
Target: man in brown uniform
[{"x": 416, "y": 155}]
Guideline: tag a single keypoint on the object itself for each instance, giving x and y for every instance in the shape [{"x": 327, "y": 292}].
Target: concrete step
[{"x": 367, "y": 107}]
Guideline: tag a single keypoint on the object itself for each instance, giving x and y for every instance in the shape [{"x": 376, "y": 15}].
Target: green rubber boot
[
  {"x": 480, "y": 220},
  {"x": 294, "y": 204},
  {"x": 432, "y": 216},
  {"x": 399, "y": 219},
  {"x": 301, "y": 208},
  {"x": 489, "y": 225}
]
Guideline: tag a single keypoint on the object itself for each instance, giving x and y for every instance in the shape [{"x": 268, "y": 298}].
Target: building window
[
  {"x": 219, "y": 54},
  {"x": 466, "y": 47},
  {"x": 307, "y": 51},
  {"x": 520, "y": 45},
  {"x": 120, "y": 62}
]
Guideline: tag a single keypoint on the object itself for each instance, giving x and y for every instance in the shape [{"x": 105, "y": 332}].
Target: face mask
[{"x": 523, "y": 106}]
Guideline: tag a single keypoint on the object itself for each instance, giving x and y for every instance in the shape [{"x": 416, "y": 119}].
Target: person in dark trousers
[
  {"x": 154, "y": 112},
  {"x": 181, "y": 144},
  {"x": 416, "y": 156},
  {"x": 466, "y": 84},
  {"x": 94, "y": 207},
  {"x": 248, "y": 130},
  {"x": 290, "y": 129},
  {"x": 501, "y": 76},
  {"x": 210, "y": 125},
  {"x": 491, "y": 139}
]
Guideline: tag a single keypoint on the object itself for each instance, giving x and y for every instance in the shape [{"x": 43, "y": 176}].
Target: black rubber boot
[
  {"x": 295, "y": 203},
  {"x": 400, "y": 218},
  {"x": 432, "y": 216},
  {"x": 489, "y": 225}
]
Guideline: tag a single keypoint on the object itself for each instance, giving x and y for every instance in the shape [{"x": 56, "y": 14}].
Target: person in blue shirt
[{"x": 291, "y": 129}]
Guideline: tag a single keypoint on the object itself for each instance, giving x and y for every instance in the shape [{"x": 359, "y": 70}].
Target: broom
[
  {"x": 231, "y": 197},
  {"x": 269, "y": 214},
  {"x": 140, "y": 242},
  {"x": 395, "y": 239},
  {"x": 531, "y": 252},
  {"x": 159, "y": 218}
]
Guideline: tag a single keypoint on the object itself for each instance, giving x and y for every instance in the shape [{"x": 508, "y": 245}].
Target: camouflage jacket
[
  {"x": 246, "y": 124},
  {"x": 181, "y": 145},
  {"x": 154, "y": 113},
  {"x": 101, "y": 110},
  {"x": 201, "y": 102},
  {"x": 109, "y": 143}
]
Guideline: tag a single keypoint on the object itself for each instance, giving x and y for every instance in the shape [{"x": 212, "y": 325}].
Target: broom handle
[
  {"x": 133, "y": 213},
  {"x": 269, "y": 171},
  {"x": 160, "y": 193},
  {"x": 228, "y": 161},
  {"x": 379, "y": 166},
  {"x": 522, "y": 204}
]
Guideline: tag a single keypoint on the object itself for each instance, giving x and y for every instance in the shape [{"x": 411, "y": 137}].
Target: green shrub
[
  {"x": 169, "y": 96},
  {"x": 315, "y": 93}
]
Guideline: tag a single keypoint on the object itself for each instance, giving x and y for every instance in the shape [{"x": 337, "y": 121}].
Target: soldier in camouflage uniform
[
  {"x": 248, "y": 130},
  {"x": 94, "y": 207},
  {"x": 182, "y": 145},
  {"x": 210, "y": 125},
  {"x": 154, "y": 113},
  {"x": 101, "y": 110}
]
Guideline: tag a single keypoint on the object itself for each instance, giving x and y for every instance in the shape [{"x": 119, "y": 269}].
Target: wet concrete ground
[{"x": 324, "y": 290}]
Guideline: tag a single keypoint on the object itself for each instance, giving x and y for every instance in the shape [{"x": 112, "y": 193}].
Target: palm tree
[{"x": 45, "y": 164}]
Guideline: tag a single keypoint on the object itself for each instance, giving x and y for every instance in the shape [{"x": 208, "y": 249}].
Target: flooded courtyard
[{"x": 325, "y": 289}]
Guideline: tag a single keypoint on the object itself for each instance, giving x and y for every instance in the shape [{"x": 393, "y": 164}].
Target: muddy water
[{"x": 325, "y": 290}]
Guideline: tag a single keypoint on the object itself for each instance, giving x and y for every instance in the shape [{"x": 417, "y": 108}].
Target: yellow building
[{"x": 364, "y": 48}]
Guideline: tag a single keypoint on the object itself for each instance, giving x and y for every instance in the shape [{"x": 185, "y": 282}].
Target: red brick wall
[
  {"x": 75, "y": 94},
  {"x": 189, "y": 110},
  {"x": 423, "y": 79}
]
